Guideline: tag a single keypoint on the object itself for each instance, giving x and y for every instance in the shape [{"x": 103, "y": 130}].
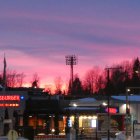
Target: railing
[
  {"x": 83, "y": 134},
  {"x": 50, "y": 137},
  {"x": 96, "y": 135},
  {"x": 100, "y": 135}
]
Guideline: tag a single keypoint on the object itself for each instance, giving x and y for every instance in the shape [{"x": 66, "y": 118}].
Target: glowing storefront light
[
  {"x": 9, "y": 105},
  {"x": 94, "y": 117},
  {"x": 89, "y": 117},
  {"x": 75, "y": 105},
  {"x": 93, "y": 123},
  {"x": 85, "y": 117},
  {"x": 104, "y": 104}
]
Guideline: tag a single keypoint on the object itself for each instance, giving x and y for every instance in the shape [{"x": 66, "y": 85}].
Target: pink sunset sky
[{"x": 36, "y": 35}]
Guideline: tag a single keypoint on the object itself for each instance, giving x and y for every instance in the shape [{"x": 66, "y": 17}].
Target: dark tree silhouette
[
  {"x": 35, "y": 81},
  {"x": 93, "y": 81},
  {"x": 14, "y": 79},
  {"x": 117, "y": 79},
  {"x": 135, "y": 77},
  {"x": 120, "y": 80},
  {"x": 135, "y": 73},
  {"x": 77, "y": 88}
]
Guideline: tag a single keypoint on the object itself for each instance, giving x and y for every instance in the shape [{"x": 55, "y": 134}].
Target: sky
[{"x": 36, "y": 35}]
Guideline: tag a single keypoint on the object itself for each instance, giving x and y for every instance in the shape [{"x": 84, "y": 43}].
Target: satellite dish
[{"x": 12, "y": 135}]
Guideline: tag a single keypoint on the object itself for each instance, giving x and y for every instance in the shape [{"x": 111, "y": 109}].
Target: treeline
[{"x": 112, "y": 80}]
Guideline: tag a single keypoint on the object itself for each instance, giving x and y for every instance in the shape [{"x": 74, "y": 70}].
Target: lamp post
[
  {"x": 76, "y": 121},
  {"x": 71, "y": 60},
  {"x": 127, "y": 112}
]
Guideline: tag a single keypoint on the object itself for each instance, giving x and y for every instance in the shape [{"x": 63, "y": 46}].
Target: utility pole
[
  {"x": 4, "y": 74},
  {"x": 5, "y": 116},
  {"x": 71, "y": 60},
  {"x": 108, "y": 97}
]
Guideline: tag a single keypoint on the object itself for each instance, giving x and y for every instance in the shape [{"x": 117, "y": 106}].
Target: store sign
[
  {"x": 9, "y": 105},
  {"x": 9, "y": 98},
  {"x": 112, "y": 110}
]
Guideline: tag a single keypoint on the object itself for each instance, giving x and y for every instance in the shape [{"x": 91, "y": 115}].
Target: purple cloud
[{"x": 40, "y": 34}]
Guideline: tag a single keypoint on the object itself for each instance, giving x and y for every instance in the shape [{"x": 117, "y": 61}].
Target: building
[{"x": 32, "y": 109}]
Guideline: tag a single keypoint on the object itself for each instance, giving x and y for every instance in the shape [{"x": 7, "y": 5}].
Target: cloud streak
[{"x": 36, "y": 36}]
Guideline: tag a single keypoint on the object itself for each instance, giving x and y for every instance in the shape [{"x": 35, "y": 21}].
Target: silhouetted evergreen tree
[
  {"x": 135, "y": 81},
  {"x": 117, "y": 80},
  {"x": 120, "y": 80},
  {"x": 77, "y": 88},
  {"x": 109, "y": 88}
]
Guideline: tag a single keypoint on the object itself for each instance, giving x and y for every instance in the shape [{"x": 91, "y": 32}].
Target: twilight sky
[{"x": 36, "y": 35}]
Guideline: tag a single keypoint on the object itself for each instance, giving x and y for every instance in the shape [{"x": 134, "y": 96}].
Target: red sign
[
  {"x": 9, "y": 98},
  {"x": 9, "y": 105},
  {"x": 112, "y": 110}
]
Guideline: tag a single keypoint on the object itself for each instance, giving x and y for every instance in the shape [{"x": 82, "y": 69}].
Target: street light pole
[
  {"x": 71, "y": 60},
  {"x": 127, "y": 113},
  {"x": 108, "y": 104}
]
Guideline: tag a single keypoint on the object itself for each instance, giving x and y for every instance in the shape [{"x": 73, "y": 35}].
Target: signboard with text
[
  {"x": 112, "y": 110},
  {"x": 9, "y": 100}
]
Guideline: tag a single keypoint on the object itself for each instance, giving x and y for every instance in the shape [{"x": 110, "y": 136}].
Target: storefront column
[
  {"x": 56, "y": 124},
  {"x": 76, "y": 124}
]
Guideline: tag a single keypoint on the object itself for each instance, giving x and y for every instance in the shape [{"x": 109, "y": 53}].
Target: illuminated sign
[
  {"x": 9, "y": 105},
  {"x": 112, "y": 110},
  {"x": 9, "y": 98}
]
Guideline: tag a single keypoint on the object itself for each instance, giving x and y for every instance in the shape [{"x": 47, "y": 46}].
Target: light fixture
[
  {"x": 128, "y": 89},
  {"x": 104, "y": 104},
  {"x": 75, "y": 105}
]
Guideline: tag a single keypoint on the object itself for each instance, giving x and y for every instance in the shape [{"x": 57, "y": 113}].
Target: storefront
[{"x": 11, "y": 106}]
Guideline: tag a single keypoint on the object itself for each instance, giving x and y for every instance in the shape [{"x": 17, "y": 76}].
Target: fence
[
  {"x": 50, "y": 137},
  {"x": 93, "y": 136},
  {"x": 100, "y": 135}
]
